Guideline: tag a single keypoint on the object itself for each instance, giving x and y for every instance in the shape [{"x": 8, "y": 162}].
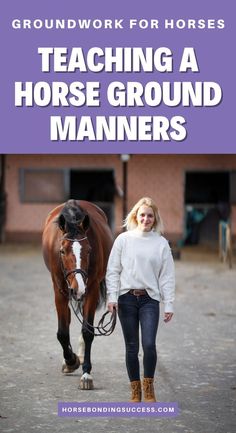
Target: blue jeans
[{"x": 132, "y": 311}]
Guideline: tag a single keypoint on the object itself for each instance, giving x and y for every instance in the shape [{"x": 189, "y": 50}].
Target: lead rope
[{"x": 103, "y": 329}]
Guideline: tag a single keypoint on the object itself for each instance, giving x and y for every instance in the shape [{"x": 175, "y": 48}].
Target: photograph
[
  {"x": 117, "y": 217},
  {"x": 180, "y": 207}
]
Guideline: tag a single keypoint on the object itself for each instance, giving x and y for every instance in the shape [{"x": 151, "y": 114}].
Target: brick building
[{"x": 186, "y": 187}]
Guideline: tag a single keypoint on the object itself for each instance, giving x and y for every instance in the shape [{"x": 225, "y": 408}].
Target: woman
[{"x": 140, "y": 274}]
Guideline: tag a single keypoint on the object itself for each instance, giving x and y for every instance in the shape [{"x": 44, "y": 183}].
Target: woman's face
[{"x": 145, "y": 218}]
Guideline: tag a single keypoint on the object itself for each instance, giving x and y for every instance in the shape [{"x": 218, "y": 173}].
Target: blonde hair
[{"x": 131, "y": 220}]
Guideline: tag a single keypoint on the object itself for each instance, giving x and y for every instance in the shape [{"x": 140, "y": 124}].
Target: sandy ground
[{"x": 196, "y": 353}]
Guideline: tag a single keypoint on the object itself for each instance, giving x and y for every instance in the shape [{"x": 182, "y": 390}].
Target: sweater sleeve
[
  {"x": 167, "y": 279},
  {"x": 114, "y": 269}
]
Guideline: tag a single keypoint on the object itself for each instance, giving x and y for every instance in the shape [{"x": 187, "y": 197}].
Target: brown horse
[{"x": 76, "y": 245}]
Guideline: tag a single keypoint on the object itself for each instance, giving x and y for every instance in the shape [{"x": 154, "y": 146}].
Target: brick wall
[
  {"x": 163, "y": 178},
  {"x": 160, "y": 176},
  {"x": 25, "y": 220}
]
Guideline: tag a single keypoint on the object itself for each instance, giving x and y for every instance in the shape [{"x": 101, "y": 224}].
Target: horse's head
[{"x": 74, "y": 249}]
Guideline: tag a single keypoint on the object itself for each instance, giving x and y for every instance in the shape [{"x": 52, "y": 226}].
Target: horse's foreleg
[
  {"x": 86, "y": 381},
  {"x": 81, "y": 349},
  {"x": 63, "y": 335}
]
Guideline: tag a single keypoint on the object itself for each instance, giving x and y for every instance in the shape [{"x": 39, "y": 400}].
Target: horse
[{"x": 76, "y": 244}]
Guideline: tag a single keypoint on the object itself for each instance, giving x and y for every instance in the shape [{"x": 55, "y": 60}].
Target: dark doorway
[
  {"x": 2, "y": 197},
  {"x": 207, "y": 187},
  {"x": 97, "y": 186},
  {"x": 207, "y": 197}
]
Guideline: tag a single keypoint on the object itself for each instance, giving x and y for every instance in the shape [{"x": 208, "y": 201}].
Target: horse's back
[
  {"x": 98, "y": 219},
  {"x": 93, "y": 210},
  {"x": 50, "y": 236},
  {"x": 99, "y": 233}
]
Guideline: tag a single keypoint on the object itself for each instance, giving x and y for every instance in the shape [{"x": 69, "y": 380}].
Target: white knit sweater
[{"x": 141, "y": 260}]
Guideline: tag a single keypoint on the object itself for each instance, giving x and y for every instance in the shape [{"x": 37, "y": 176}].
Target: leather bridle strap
[{"x": 77, "y": 271}]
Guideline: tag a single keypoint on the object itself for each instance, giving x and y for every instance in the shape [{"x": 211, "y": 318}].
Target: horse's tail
[{"x": 103, "y": 293}]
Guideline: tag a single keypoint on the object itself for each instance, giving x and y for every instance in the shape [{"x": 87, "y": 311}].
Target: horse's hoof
[
  {"x": 86, "y": 381},
  {"x": 66, "y": 369}
]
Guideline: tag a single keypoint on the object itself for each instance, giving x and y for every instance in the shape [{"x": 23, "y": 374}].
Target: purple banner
[
  {"x": 123, "y": 77},
  {"x": 117, "y": 409}
]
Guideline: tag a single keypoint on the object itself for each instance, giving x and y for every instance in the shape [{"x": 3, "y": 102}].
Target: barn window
[{"x": 43, "y": 185}]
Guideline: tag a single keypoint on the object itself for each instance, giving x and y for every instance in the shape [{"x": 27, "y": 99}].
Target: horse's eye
[{"x": 62, "y": 252}]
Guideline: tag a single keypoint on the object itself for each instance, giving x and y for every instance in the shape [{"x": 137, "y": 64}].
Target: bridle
[
  {"x": 103, "y": 329},
  {"x": 75, "y": 271},
  {"x": 83, "y": 273}
]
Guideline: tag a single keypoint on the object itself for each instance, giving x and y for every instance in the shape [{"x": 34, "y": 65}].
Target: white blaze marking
[{"x": 76, "y": 247}]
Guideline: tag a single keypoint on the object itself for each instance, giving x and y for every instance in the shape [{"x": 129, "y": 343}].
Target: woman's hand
[
  {"x": 111, "y": 306},
  {"x": 168, "y": 317}
]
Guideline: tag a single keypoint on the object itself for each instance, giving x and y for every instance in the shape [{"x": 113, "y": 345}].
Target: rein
[{"x": 103, "y": 329}]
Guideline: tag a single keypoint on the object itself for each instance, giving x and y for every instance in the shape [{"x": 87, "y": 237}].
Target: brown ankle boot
[
  {"x": 148, "y": 390},
  {"x": 136, "y": 391}
]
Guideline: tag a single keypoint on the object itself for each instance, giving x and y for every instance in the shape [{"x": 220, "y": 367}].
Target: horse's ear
[
  {"x": 85, "y": 223},
  {"x": 61, "y": 222}
]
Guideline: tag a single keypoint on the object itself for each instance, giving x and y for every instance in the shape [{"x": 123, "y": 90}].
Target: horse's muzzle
[{"x": 78, "y": 285}]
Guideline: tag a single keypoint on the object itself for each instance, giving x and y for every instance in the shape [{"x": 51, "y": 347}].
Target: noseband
[{"x": 77, "y": 271}]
